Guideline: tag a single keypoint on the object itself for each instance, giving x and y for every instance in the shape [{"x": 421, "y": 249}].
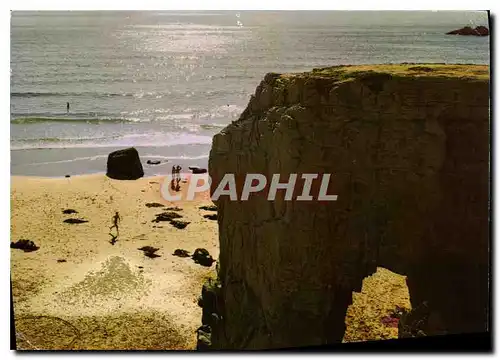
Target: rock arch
[{"x": 409, "y": 154}]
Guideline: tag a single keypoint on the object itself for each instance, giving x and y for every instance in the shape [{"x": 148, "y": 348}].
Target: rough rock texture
[
  {"x": 407, "y": 146},
  {"x": 124, "y": 165}
]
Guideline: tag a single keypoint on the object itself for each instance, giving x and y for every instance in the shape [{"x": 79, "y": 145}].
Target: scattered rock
[
  {"x": 141, "y": 267},
  {"x": 75, "y": 221},
  {"x": 209, "y": 207},
  {"x": 181, "y": 253},
  {"x": 67, "y": 176},
  {"x": 166, "y": 216},
  {"x": 414, "y": 323},
  {"x": 179, "y": 224},
  {"x": 203, "y": 335},
  {"x": 398, "y": 312},
  {"x": 150, "y": 251},
  {"x": 153, "y": 162},
  {"x": 61, "y": 260},
  {"x": 24, "y": 244},
  {"x": 210, "y": 319},
  {"x": 210, "y": 216},
  {"x": 202, "y": 256},
  {"x": 70, "y": 211},
  {"x": 467, "y": 30},
  {"x": 197, "y": 170},
  {"x": 124, "y": 165},
  {"x": 155, "y": 205},
  {"x": 174, "y": 208}
]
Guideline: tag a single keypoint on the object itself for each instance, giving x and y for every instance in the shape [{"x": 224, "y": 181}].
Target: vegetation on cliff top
[{"x": 351, "y": 72}]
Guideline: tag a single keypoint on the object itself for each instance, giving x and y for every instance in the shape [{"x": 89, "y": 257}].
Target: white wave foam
[
  {"x": 96, "y": 157},
  {"x": 157, "y": 139}
]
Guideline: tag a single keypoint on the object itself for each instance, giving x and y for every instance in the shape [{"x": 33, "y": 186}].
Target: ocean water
[{"x": 167, "y": 81}]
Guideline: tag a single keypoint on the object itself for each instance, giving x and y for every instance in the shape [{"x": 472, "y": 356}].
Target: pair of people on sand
[{"x": 176, "y": 178}]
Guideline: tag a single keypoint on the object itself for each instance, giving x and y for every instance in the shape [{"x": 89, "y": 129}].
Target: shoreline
[
  {"x": 91, "y": 175},
  {"x": 87, "y": 161}
]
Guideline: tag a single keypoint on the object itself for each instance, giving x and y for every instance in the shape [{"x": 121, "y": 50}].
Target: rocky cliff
[{"x": 408, "y": 149}]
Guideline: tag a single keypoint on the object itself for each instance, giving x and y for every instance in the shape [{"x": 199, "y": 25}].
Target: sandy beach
[{"x": 78, "y": 291}]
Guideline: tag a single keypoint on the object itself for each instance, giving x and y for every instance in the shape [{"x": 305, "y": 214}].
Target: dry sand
[
  {"x": 114, "y": 297},
  {"x": 100, "y": 298}
]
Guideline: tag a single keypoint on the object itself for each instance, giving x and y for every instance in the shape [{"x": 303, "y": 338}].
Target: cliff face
[{"x": 407, "y": 147}]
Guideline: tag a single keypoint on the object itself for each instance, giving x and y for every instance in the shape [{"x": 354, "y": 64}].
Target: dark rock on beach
[
  {"x": 175, "y": 208},
  {"x": 61, "y": 260},
  {"x": 24, "y": 244},
  {"x": 153, "y": 162},
  {"x": 211, "y": 315},
  {"x": 179, "y": 224},
  {"x": 202, "y": 256},
  {"x": 181, "y": 253},
  {"x": 467, "y": 30},
  {"x": 124, "y": 165},
  {"x": 209, "y": 207},
  {"x": 197, "y": 170},
  {"x": 210, "y": 216},
  {"x": 150, "y": 251},
  {"x": 166, "y": 216},
  {"x": 70, "y": 211},
  {"x": 203, "y": 335},
  {"x": 75, "y": 221},
  {"x": 155, "y": 205}
]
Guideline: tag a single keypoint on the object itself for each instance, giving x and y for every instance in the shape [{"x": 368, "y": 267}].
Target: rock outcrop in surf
[
  {"x": 409, "y": 154},
  {"x": 467, "y": 30}
]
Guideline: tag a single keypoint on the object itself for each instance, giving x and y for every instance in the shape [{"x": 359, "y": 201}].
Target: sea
[{"x": 166, "y": 82}]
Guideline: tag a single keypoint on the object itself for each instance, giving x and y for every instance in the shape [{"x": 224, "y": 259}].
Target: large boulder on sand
[{"x": 124, "y": 164}]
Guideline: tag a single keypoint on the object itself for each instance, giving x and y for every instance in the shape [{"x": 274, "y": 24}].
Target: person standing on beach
[
  {"x": 177, "y": 177},
  {"x": 172, "y": 183},
  {"x": 67, "y": 107}
]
